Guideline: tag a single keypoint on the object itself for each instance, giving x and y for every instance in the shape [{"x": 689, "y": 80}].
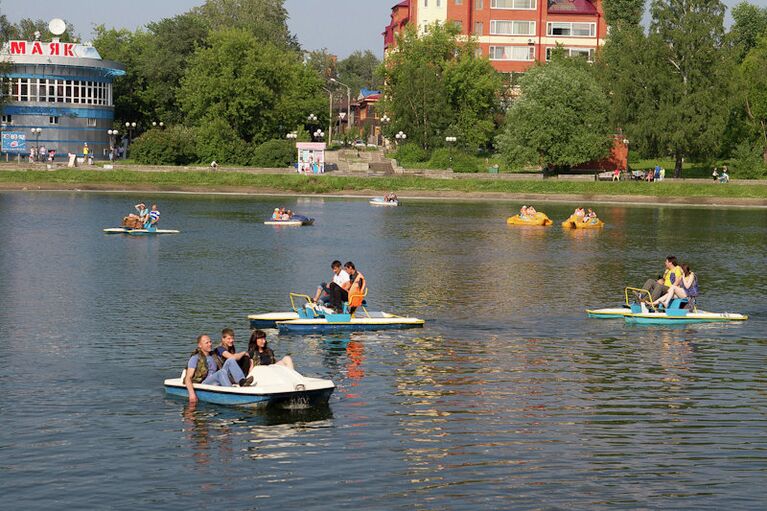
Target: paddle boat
[
  {"x": 308, "y": 317},
  {"x": 576, "y": 222},
  {"x": 641, "y": 311},
  {"x": 538, "y": 219},
  {"x": 381, "y": 201},
  {"x": 294, "y": 221},
  {"x": 273, "y": 385},
  {"x": 139, "y": 232}
]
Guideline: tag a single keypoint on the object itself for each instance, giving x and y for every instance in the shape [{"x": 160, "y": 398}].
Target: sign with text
[
  {"x": 53, "y": 49},
  {"x": 14, "y": 142}
]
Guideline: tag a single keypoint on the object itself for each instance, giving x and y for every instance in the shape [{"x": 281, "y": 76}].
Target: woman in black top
[{"x": 262, "y": 354}]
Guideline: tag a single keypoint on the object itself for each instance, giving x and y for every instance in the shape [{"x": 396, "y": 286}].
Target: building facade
[
  {"x": 514, "y": 34},
  {"x": 65, "y": 90}
]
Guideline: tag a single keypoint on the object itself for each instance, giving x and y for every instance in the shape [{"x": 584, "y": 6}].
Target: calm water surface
[{"x": 508, "y": 399}]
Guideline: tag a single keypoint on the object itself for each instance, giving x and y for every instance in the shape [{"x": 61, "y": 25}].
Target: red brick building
[{"x": 512, "y": 33}]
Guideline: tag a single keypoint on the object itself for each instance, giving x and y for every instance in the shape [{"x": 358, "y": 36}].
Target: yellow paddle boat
[
  {"x": 576, "y": 222},
  {"x": 539, "y": 219}
]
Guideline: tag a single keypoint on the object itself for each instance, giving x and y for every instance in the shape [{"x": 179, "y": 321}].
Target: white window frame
[
  {"x": 561, "y": 24},
  {"x": 494, "y": 27},
  {"x": 91, "y": 122},
  {"x": 508, "y": 53},
  {"x": 569, "y": 51},
  {"x": 54, "y": 119},
  {"x": 494, "y": 5}
]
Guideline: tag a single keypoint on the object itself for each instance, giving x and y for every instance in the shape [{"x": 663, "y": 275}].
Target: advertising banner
[{"x": 14, "y": 142}]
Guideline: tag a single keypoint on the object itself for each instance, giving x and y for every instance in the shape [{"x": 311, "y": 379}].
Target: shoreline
[{"x": 425, "y": 195}]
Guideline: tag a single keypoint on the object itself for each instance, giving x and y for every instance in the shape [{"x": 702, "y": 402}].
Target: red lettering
[
  {"x": 69, "y": 50},
  {"x": 37, "y": 48},
  {"x": 18, "y": 47},
  {"x": 54, "y": 49}
]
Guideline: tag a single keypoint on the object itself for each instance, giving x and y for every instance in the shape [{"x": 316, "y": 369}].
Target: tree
[
  {"x": 622, "y": 13},
  {"x": 750, "y": 25},
  {"x": 360, "y": 69},
  {"x": 323, "y": 63},
  {"x": 267, "y": 20},
  {"x": 437, "y": 86},
  {"x": 559, "y": 120},
  {"x": 753, "y": 86}
]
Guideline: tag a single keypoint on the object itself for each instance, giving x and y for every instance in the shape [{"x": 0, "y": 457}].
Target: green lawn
[
  {"x": 330, "y": 184},
  {"x": 689, "y": 170}
]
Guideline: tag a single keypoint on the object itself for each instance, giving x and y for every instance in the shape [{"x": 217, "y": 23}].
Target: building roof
[{"x": 572, "y": 7}]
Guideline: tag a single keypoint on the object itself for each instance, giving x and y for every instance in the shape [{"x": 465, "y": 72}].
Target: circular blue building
[{"x": 61, "y": 90}]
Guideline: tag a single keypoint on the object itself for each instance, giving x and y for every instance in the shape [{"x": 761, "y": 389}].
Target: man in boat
[
  {"x": 203, "y": 368},
  {"x": 337, "y": 291},
  {"x": 226, "y": 350},
  {"x": 152, "y": 219},
  {"x": 672, "y": 275},
  {"x": 358, "y": 287}
]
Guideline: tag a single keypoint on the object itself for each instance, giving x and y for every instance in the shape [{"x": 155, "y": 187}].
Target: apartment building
[{"x": 512, "y": 33}]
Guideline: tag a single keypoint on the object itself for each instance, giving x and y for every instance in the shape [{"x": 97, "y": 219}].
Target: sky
[{"x": 341, "y": 26}]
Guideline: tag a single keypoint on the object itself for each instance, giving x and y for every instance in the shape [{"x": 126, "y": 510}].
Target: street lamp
[
  {"x": 401, "y": 137},
  {"x": 36, "y": 132},
  {"x": 160, "y": 124},
  {"x": 348, "y": 99},
  {"x": 292, "y": 135},
  {"x": 450, "y": 140},
  {"x": 130, "y": 126},
  {"x": 311, "y": 118},
  {"x": 319, "y": 134},
  {"x": 112, "y": 142}
]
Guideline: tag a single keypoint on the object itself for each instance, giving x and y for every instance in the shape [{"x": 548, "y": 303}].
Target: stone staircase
[{"x": 357, "y": 162}]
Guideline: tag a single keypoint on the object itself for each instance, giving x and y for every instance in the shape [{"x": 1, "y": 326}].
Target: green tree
[
  {"x": 749, "y": 26},
  {"x": 360, "y": 69},
  {"x": 620, "y": 13},
  {"x": 267, "y": 20},
  {"x": 437, "y": 86},
  {"x": 753, "y": 87},
  {"x": 559, "y": 120},
  {"x": 323, "y": 63},
  {"x": 170, "y": 146}
]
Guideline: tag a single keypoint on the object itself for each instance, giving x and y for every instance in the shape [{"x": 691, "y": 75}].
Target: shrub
[
  {"x": 411, "y": 153},
  {"x": 171, "y": 146},
  {"x": 747, "y": 162},
  {"x": 274, "y": 154},
  {"x": 446, "y": 158},
  {"x": 216, "y": 140}
]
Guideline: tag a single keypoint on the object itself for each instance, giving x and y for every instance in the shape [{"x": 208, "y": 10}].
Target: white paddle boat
[
  {"x": 139, "y": 232},
  {"x": 381, "y": 201}
]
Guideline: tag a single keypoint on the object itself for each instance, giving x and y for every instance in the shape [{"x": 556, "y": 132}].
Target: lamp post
[
  {"x": 348, "y": 100},
  {"x": 319, "y": 134},
  {"x": 130, "y": 126},
  {"x": 36, "y": 132},
  {"x": 450, "y": 141},
  {"x": 156, "y": 124},
  {"x": 385, "y": 120},
  {"x": 112, "y": 142},
  {"x": 401, "y": 137},
  {"x": 292, "y": 135}
]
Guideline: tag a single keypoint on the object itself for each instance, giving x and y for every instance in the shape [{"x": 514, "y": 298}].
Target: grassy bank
[{"x": 203, "y": 181}]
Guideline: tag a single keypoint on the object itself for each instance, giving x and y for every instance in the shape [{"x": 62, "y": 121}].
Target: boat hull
[
  {"x": 139, "y": 232},
  {"x": 353, "y": 325},
  {"x": 661, "y": 318},
  {"x": 609, "y": 313},
  {"x": 378, "y": 201},
  {"x": 269, "y": 320},
  {"x": 284, "y": 399},
  {"x": 578, "y": 223},
  {"x": 540, "y": 220}
]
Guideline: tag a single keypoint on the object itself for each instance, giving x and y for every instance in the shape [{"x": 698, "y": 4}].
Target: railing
[{"x": 639, "y": 293}]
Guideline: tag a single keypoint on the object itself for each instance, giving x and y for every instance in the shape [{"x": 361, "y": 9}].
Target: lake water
[{"x": 509, "y": 398}]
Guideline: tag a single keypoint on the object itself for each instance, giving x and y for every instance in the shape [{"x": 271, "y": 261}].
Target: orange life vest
[{"x": 357, "y": 290}]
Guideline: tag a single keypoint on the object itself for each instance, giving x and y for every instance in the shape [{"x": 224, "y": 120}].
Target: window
[
  {"x": 479, "y": 28},
  {"x": 458, "y": 2},
  {"x": 572, "y": 29},
  {"x": 459, "y": 24},
  {"x": 513, "y": 4},
  {"x": 7, "y": 119},
  {"x": 91, "y": 123},
  {"x": 512, "y": 27},
  {"x": 53, "y": 120},
  {"x": 588, "y": 53},
  {"x": 519, "y": 53}
]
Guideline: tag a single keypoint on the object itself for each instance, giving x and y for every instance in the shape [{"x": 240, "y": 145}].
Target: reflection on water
[{"x": 509, "y": 398}]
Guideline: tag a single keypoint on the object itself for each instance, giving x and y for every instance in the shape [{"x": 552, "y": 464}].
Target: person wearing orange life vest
[{"x": 358, "y": 288}]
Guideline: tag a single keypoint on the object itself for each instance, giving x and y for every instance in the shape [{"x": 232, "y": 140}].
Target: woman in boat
[
  {"x": 276, "y": 215},
  {"x": 588, "y": 216},
  {"x": 262, "y": 355},
  {"x": 358, "y": 289},
  {"x": 687, "y": 287}
]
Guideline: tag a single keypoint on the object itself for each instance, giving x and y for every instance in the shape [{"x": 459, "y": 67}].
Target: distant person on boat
[
  {"x": 153, "y": 219},
  {"x": 672, "y": 275},
  {"x": 337, "y": 291},
  {"x": 390, "y": 197},
  {"x": 358, "y": 287},
  {"x": 589, "y": 216},
  {"x": 686, "y": 287},
  {"x": 579, "y": 212},
  {"x": 136, "y": 220},
  {"x": 226, "y": 350},
  {"x": 276, "y": 215},
  {"x": 262, "y": 354},
  {"x": 203, "y": 368}
]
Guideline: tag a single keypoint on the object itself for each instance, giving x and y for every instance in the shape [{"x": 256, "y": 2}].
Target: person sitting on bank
[
  {"x": 725, "y": 177},
  {"x": 715, "y": 174},
  {"x": 686, "y": 287},
  {"x": 672, "y": 275},
  {"x": 262, "y": 355},
  {"x": 337, "y": 291},
  {"x": 358, "y": 287},
  {"x": 226, "y": 350},
  {"x": 203, "y": 368},
  {"x": 152, "y": 219}
]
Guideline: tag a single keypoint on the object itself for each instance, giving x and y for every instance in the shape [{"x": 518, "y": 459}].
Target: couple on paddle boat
[
  {"x": 282, "y": 214},
  {"x": 390, "y": 197},
  {"x": 224, "y": 366},
  {"x": 347, "y": 285},
  {"x": 144, "y": 219},
  {"x": 529, "y": 216},
  {"x": 582, "y": 219},
  {"x": 677, "y": 281}
]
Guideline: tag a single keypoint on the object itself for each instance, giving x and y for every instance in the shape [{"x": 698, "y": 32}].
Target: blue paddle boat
[
  {"x": 139, "y": 232},
  {"x": 641, "y": 311},
  {"x": 273, "y": 385},
  {"x": 309, "y": 317},
  {"x": 294, "y": 221}
]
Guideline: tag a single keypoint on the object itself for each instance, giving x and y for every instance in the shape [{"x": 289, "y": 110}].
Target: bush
[
  {"x": 274, "y": 154},
  {"x": 411, "y": 153},
  {"x": 747, "y": 162},
  {"x": 446, "y": 158},
  {"x": 216, "y": 140},
  {"x": 171, "y": 146}
]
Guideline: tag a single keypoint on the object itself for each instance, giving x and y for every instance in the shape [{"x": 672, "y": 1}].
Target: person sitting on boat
[
  {"x": 686, "y": 287},
  {"x": 579, "y": 212},
  {"x": 262, "y": 354},
  {"x": 358, "y": 287},
  {"x": 203, "y": 368},
  {"x": 589, "y": 216},
  {"x": 531, "y": 212},
  {"x": 672, "y": 275},
  {"x": 137, "y": 220},
  {"x": 337, "y": 291},
  {"x": 276, "y": 215},
  {"x": 226, "y": 350},
  {"x": 153, "y": 219},
  {"x": 523, "y": 212}
]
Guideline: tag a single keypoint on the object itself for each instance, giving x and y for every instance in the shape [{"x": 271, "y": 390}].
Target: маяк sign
[{"x": 54, "y": 49}]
